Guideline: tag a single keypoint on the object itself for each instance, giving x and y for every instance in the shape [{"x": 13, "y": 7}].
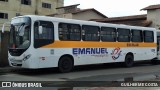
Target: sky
[{"x": 114, "y": 8}]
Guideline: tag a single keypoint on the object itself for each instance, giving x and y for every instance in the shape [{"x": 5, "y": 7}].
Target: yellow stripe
[{"x": 86, "y": 44}]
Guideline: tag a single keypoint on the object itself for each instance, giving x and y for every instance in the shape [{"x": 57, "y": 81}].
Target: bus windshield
[{"x": 20, "y": 33}]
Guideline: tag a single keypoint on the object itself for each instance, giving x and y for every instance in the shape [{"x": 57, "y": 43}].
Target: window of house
[
  {"x": 137, "y": 36},
  {"x": 69, "y": 31},
  {"x": 108, "y": 34},
  {"x": 4, "y": 0},
  {"x": 90, "y": 33},
  {"x": 46, "y": 5},
  {"x": 148, "y": 36},
  {"x": 3, "y": 15},
  {"x": 26, "y": 2},
  {"x": 123, "y": 35},
  {"x": 18, "y": 14}
]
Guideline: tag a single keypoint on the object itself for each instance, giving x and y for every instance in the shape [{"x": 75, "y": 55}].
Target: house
[
  {"x": 136, "y": 20},
  {"x": 153, "y": 14},
  {"x": 151, "y": 19},
  {"x": 72, "y": 12}
]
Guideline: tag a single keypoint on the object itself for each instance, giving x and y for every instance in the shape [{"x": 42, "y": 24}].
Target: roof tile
[{"x": 152, "y": 7}]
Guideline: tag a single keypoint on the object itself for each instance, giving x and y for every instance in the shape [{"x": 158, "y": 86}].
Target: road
[{"x": 103, "y": 72}]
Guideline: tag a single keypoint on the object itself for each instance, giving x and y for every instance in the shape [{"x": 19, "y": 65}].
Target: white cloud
[{"x": 114, "y": 8}]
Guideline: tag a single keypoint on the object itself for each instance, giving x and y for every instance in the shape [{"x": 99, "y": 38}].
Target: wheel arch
[
  {"x": 67, "y": 55},
  {"x": 130, "y": 53},
  {"x": 129, "y": 59}
]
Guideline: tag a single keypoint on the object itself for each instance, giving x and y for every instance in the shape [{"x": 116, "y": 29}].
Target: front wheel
[
  {"x": 65, "y": 64},
  {"x": 129, "y": 61},
  {"x": 154, "y": 62}
]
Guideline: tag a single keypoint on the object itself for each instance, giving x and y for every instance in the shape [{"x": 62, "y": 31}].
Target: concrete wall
[
  {"x": 81, "y": 16},
  {"x": 14, "y": 6},
  {"x": 154, "y": 16},
  {"x": 87, "y": 15},
  {"x": 46, "y": 11}
]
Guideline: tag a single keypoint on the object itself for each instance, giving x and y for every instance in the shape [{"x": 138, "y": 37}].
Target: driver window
[{"x": 47, "y": 35}]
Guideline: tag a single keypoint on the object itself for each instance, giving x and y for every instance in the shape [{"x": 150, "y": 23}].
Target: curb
[
  {"x": 8, "y": 69},
  {"x": 139, "y": 78}
]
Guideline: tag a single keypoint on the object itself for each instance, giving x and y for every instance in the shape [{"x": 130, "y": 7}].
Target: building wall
[
  {"x": 46, "y": 11},
  {"x": 81, "y": 16},
  {"x": 87, "y": 15},
  {"x": 14, "y": 6},
  {"x": 60, "y": 3},
  {"x": 69, "y": 16},
  {"x": 153, "y": 15}
]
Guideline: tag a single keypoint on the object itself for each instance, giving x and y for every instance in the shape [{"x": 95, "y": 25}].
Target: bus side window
[
  {"x": 148, "y": 36},
  {"x": 47, "y": 35},
  {"x": 137, "y": 35},
  {"x": 123, "y": 35},
  {"x": 90, "y": 33},
  {"x": 71, "y": 32},
  {"x": 108, "y": 34}
]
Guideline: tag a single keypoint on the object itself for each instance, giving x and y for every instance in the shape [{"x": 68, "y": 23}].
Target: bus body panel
[{"x": 83, "y": 52}]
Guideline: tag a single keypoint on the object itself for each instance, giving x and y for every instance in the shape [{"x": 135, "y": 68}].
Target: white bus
[{"x": 45, "y": 42}]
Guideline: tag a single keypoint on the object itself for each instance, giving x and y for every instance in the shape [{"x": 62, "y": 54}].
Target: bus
[{"x": 46, "y": 42}]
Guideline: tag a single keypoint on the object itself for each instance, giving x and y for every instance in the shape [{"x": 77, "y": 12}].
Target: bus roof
[{"x": 82, "y": 22}]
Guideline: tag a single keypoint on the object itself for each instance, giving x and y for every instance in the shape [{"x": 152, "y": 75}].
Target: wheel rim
[
  {"x": 66, "y": 64},
  {"x": 129, "y": 61}
]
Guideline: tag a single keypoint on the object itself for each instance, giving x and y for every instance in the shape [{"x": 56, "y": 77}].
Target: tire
[
  {"x": 154, "y": 62},
  {"x": 129, "y": 61},
  {"x": 65, "y": 64}
]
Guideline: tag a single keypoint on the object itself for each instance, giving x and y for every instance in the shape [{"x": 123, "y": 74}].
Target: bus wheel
[
  {"x": 129, "y": 60},
  {"x": 154, "y": 62},
  {"x": 65, "y": 64}
]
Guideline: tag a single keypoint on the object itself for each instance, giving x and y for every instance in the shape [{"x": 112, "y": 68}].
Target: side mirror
[
  {"x": 3, "y": 28},
  {"x": 40, "y": 30}
]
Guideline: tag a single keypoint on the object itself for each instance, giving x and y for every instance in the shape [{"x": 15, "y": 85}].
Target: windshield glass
[{"x": 20, "y": 33}]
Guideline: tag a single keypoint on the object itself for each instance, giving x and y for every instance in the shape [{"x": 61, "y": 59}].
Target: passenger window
[
  {"x": 69, "y": 32},
  {"x": 108, "y": 34},
  {"x": 123, "y": 35},
  {"x": 90, "y": 33},
  {"x": 137, "y": 36},
  {"x": 148, "y": 36},
  {"x": 47, "y": 35}
]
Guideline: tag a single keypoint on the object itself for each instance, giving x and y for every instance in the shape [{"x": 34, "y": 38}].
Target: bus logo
[
  {"x": 116, "y": 53},
  {"x": 90, "y": 51}
]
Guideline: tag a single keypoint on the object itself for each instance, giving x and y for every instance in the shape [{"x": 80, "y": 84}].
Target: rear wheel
[
  {"x": 129, "y": 61},
  {"x": 154, "y": 62},
  {"x": 65, "y": 64}
]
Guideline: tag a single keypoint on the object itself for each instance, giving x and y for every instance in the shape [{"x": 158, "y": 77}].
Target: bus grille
[{"x": 16, "y": 61}]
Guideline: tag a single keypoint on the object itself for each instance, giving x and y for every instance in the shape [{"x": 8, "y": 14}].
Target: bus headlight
[{"x": 26, "y": 57}]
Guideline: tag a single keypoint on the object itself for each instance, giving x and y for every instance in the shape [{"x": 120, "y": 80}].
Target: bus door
[{"x": 158, "y": 47}]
